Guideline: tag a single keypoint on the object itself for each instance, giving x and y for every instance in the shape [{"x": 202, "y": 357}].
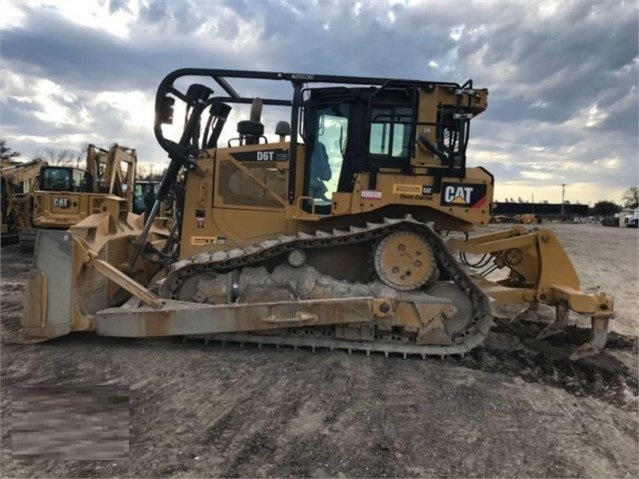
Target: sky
[{"x": 562, "y": 76}]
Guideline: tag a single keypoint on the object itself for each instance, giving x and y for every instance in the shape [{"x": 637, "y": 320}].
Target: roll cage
[{"x": 378, "y": 104}]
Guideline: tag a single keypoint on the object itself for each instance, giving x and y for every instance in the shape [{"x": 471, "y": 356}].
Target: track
[
  {"x": 463, "y": 341},
  {"x": 27, "y": 240},
  {"x": 511, "y": 348}
]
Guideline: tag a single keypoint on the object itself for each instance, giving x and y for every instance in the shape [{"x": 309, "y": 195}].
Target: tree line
[{"x": 69, "y": 157}]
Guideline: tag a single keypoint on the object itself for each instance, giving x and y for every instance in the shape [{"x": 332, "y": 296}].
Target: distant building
[{"x": 543, "y": 209}]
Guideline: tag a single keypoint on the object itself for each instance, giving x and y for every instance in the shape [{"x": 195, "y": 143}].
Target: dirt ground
[{"x": 514, "y": 407}]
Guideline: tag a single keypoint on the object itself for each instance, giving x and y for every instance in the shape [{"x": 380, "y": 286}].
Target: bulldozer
[
  {"x": 18, "y": 180},
  {"x": 329, "y": 235},
  {"x": 66, "y": 195}
]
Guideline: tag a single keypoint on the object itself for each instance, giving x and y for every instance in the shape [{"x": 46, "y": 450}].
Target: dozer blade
[
  {"x": 79, "y": 272},
  {"x": 47, "y": 305}
]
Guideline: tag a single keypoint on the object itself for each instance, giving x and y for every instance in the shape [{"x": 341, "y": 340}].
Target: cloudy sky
[{"x": 563, "y": 76}]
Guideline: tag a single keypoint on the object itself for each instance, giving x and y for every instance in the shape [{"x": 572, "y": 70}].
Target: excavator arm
[{"x": 15, "y": 206}]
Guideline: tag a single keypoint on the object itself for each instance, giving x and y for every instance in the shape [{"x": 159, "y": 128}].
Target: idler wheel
[{"x": 462, "y": 302}]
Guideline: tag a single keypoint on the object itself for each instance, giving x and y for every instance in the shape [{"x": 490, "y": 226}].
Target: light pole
[{"x": 563, "y": 193}]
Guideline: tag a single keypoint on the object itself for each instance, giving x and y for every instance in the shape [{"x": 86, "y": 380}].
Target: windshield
[
  {"x": 328, "y": 151},
  {"x": 56, "y": 179}
]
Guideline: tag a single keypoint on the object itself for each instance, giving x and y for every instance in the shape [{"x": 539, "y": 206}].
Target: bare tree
[
  {"x": 631, "y": 197},
  {"x": 146, "y": 172},
  {"x": 81, "y": 154},
  {"x": 60, "y": 157},
  {"x": 6, "y": 152}
]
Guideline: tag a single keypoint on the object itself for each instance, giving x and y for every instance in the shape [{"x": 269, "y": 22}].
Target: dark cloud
[
  {"x": 19, "y": 115},
  {"x": 117, "y": 5},
  {"x": 70, "y": 55},
  {"x": 546, "y": 69},
  {"x": 153, "y": 12}
]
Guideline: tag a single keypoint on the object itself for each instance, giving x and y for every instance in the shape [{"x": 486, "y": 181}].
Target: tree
[
  {"x": 145, "y": 172},
  {"x": 56, "y": 157},
  {"x": 631, "y": 197},
  {"x": 81, "y": 154},
  {"x": 6, "y": 153},
  {"x": 606, "y": 208}
]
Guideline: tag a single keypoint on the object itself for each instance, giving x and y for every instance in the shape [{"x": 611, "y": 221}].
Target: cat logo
[
  {"x": 458, "y": 194},
  {"x": 61, "y": 202},
  {"x": 464, "y": 195}
]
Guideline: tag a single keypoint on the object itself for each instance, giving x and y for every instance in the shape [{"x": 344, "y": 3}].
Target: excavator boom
[{"x": 17, "y": 183}]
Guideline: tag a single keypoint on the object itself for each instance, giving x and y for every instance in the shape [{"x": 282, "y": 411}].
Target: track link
[{"x": 256, "y": 254}]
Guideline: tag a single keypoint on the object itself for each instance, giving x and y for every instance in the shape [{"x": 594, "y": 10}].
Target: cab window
[
  {"x": 327, "y": 154},
  {"x": 56, "y": 179},
  {"x": 390, "y": 132}
]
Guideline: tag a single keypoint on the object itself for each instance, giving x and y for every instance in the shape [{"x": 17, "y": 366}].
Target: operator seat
[{"x": 252, "y": 130}]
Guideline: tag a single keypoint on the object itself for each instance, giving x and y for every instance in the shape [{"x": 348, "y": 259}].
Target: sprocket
[{"x": 404, "y": 260}]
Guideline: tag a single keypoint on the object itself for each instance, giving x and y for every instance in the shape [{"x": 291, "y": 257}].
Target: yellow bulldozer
[
  {"x": 66, "y": 195},
  {"x": 328, "y": 235}
]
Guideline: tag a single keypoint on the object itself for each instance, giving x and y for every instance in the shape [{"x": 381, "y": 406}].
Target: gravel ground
[{"x": 515, "y": 407}]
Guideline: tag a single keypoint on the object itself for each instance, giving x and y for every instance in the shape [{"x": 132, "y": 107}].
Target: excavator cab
[
  {"x": 67, "y": 195},
  {"x": 63, "y": 178}
]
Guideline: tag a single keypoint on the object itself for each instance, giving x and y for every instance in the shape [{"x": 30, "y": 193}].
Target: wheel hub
[{"x": 405, "y": 261}]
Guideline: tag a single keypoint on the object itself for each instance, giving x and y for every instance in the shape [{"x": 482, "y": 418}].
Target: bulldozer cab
[
  {"x": 356, "y": 145},
  {"x": 354, "y": 130}
]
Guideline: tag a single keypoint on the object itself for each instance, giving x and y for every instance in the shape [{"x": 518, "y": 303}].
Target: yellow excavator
[
  {"x": 328, "y": 235},
  {"x": 18, "y": 180},
  {"x": 66, "y": 195}
]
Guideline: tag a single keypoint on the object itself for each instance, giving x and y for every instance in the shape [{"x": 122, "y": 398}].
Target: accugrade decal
[
  {"x": 261, "y": 156},
  {"x": 463, "y": 194},
  {"x": 399, "y": 188},
  {"x": 407, "y": 189},
  {"x": 207, "y": 240}
]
